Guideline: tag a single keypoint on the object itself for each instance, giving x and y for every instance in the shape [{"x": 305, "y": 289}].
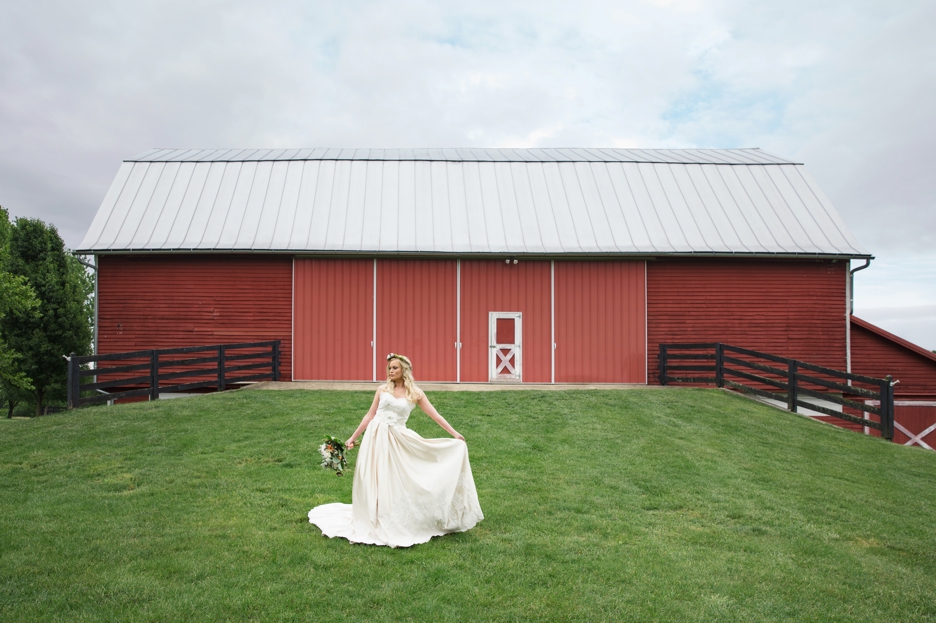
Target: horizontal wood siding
[
  {"x": 169, "y": 301},
  {"x": 494, "y": 286},
  {"x": 416, "y": 316},
  {"x": 875, "y": 355},
  {"x": 791, "y": 308},
  {"x": 334, "y": 312},
  {"x": 600, "y": 322}
]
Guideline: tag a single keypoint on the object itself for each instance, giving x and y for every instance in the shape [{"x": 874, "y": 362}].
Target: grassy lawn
[{"x": 673, "y": 505}]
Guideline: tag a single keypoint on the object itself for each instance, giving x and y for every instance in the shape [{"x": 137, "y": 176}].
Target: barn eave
[{"x": 486, "y": 255}]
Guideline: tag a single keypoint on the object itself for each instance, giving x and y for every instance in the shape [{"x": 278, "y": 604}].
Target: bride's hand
[
  {"x": 458, "y": 435},
  {"x": 349, "y": 444}
]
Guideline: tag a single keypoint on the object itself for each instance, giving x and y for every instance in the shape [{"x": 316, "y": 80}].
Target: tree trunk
[{"x": 38, "y": 402}]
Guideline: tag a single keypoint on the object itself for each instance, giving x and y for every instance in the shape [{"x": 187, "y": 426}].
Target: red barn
[
  {"x": 507, "y": 265},
  {"x": 877, "y": 353}
]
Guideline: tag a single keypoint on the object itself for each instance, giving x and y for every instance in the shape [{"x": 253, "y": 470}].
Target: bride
[{"x": 406, "y": 489}]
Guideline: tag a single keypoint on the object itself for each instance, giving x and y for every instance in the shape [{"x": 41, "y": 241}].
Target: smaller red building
[{"x": 877, "y": 353}]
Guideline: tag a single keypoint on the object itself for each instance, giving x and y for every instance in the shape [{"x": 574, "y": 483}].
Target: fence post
[
  {"x": 792, "y": 394},
  {"x": 76, "y": 379},
  {"x": 663, "y": 370},
  {"x": 276, "y": 359},
  {"x": 719, "y": 365},
  {"x": 887, "y": 413},
  {"x": 221, "y": 381},
  {"x": 154, "y": 375},
  {"x": 72, "y": 373}
]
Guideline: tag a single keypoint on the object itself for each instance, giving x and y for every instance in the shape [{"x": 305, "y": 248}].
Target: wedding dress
[{"x": 407, "y": 489}]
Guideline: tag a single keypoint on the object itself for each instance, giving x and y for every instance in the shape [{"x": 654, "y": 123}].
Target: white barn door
[{"x": 506, "y": 342}]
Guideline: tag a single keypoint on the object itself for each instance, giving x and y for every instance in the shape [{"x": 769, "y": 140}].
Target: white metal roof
[
  {"x": 468, "y": 154},
  {"x": 469, "y": 201}
]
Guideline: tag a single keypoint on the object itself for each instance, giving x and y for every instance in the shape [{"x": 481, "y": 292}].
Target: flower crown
[{"x": 400, "y": 357}]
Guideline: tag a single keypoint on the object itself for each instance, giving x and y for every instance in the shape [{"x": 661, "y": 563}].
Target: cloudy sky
[{"x": 847, "y": 87}]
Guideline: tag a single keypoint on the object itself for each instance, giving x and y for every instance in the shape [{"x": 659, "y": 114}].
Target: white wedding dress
[{"x": 407, "y": 489}]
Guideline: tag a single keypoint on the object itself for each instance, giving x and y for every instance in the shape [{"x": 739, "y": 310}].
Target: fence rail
[
  {"x": 790, "y": 381},
  {"x": 150, "y": 367}
]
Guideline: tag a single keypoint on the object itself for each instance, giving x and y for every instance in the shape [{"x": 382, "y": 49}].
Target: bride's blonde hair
[{"x": 413, "y": 393}]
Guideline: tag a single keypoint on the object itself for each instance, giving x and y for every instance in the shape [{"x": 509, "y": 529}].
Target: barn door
[{"x": 505, "y": 341}]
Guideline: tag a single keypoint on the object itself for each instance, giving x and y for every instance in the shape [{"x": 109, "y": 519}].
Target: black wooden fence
[
  {"x": 139, "y": 373},
  {"x": 757, "y": 373}
]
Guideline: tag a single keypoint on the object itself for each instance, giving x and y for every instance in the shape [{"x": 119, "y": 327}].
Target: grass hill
[{"x": 639, "y": 505}]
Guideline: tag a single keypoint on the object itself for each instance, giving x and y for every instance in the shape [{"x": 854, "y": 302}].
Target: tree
[
  {"x": 16, "y": 297},
  {"x": 37, "y": 255}
]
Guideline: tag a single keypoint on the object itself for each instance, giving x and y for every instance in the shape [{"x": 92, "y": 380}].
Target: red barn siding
[
  {"x": 416, "y": 316},
  {"x": 792, "y": 308},
  {"x": 492, "y": 285},
  {"x": 167, "y": 301},
  {"x": 877, "y": 353},
  {"x": 600, "y": 322},
  {"x": 333, "y": 319},
  {"x": 915, "y": 416},
  {"x": 916, "y": 419}
]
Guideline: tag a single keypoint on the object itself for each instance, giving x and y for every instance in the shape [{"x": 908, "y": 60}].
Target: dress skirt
[{"x": 406, "y": 490}]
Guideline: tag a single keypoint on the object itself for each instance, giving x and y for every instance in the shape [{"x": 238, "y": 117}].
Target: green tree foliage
[
  {"x": 37, "y": 256},
  {"x": 16, "y": 297}
]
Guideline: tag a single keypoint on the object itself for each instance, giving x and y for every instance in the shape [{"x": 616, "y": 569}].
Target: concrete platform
[{"x": 451, "y": 387}]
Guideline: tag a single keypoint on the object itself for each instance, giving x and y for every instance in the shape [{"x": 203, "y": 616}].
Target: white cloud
[{"x": 844, "y": 86}]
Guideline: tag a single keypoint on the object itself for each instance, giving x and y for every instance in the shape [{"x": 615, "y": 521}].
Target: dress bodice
[{"x": 393, "y": 410}]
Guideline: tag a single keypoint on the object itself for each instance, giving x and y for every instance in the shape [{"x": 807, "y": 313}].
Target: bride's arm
[
  {"x": 426, "y": 406},
  {"x": 367, "y": 418}
]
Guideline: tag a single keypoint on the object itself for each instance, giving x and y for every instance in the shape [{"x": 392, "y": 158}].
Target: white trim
[
  {"x": 292, "y": 328},
  {"x": 97, "y": 296},
  {"x": 914, "y": 439},
  {"x": 552, "y": 320},
  {"x": 97, "y": 270},
  {"x": 497, "y": 361},
  {"x": 848, "y": 295},
  {"x": 918, "y": 438},
  {"x": 873, "y": 403},
  {"x": 458, "y": 321},
  {"x": 374, "y": 328},
  {"x": 905, "y": 403}
]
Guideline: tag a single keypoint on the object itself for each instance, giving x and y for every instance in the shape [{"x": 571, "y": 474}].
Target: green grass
[{"x": 669, "y": 505}]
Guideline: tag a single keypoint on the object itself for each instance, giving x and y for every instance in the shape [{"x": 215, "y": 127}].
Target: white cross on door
[{"x": 505, "y": 341}]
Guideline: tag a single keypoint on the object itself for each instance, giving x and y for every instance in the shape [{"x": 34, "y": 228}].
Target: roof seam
[
  {"x": 705, "y": 210},
  {"x": 165, "y": 201},
  {"x": 747, "y": 191},
  {"x": 633, "y": 197}
]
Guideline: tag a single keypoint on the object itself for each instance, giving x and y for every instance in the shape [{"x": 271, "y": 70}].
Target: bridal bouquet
[{"x": 333, "y": 455}]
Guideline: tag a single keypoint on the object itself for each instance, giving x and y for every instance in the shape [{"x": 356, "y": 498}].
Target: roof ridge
[
  {"x": 740, "y": 156},
  {"x": 893, "y": 338}
]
